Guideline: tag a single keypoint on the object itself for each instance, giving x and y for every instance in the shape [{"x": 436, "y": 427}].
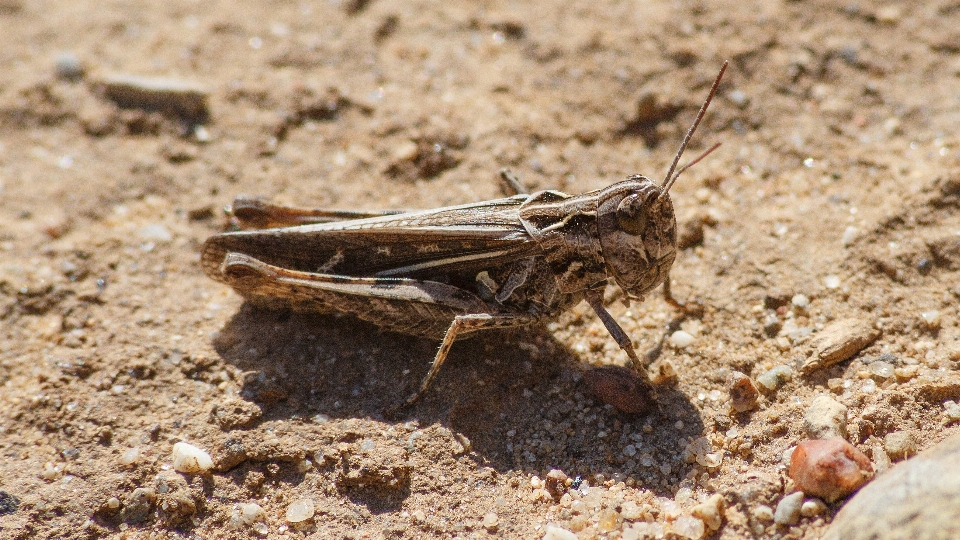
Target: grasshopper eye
[{"x": 632, "y": 214}]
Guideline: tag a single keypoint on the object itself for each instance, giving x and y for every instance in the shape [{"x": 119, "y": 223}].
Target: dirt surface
[{"x": 838, "y": 180}]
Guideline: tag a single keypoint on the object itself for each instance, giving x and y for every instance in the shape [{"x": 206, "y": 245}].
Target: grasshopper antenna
[{"x": 671, "y": 177}]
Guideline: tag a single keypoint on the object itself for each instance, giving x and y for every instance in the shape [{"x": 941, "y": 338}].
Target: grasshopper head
[{"x": 638, "y": 234}]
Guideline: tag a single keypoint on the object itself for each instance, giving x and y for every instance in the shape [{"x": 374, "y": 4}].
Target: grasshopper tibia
[{"x": 462, "y": 324}]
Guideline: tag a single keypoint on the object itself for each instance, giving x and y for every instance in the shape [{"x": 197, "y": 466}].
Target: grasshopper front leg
[
  {"x": 690, "y": 308},
  {"x": 594, "y": 297}
]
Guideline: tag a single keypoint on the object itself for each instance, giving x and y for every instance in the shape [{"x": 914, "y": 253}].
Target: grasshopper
[{"x": 450, "y": 272}]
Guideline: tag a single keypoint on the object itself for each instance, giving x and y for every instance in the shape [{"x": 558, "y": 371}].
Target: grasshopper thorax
[{"x": 638, "y": 234}]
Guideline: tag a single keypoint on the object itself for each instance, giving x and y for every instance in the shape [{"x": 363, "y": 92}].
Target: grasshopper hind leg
[
  {"x": 257, "y": 213},
  {"x": 462, "y": 324}
]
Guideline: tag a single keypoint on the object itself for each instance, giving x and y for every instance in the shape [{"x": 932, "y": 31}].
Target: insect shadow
[{"x": 516, "y": 395}]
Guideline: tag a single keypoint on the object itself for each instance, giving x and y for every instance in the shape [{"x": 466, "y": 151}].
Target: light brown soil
[{"x": 838, "y": 120}]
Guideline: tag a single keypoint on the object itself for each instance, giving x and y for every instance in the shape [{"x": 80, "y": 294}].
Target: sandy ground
[{"x": 838, "y": 180}]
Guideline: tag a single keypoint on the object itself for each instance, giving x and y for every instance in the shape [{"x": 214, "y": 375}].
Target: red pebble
[
  {"x": 743, "y": 393},
  {"x": 829, "y": 468},
  {"x": 622, "y": 388}
]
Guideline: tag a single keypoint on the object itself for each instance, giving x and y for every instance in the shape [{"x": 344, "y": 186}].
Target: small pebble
[
  {"x": 899, "y": 445},
  {"x": 772, "y": 326},
  {"x": 185, "y": 99},
  {"x": 556, "y": 483},
  {"x": 881, "y": 461},
  {"x": 763, "y": 513},
  {"x": 113, "y": 503},
  {"x": 155, "y": 232},
  {"x": 838, "y": 341},
  {"x": 710, "y": 511},
  {"x": 189, "y": 459},
  {"x": 906, "y": 373},
  {"x": 775, "y": 377},
  {"x": 800, "y": 301},
  {"x": 788, "y": 509},
  {"x": 644, "y": 531},
  {"x": 849, "y": 235},
  {"x": 630, "y": 510},
  {"x": 621, "y": 388},
  {"x": 681, "y": 339},
  {"x": 890, "y": 14},
  {"x": 689, "y": 527},
  {"x": 251, "y": 513},
  {"x": 812, "y": 507},
  {"x": 931, "y": 319},
  {"x": 825, "y": 418},
  {"x": 130, "y": 457},
  {"x": 558, "y": 533},
  {"x": 406, "y": 151},
  {"x": 738, "y": 98},
  {"x": 743, "y": 393},
  {"x": 952, "y": 410},
  {"x": 609, "y": 519},
  {"x": 829, "y": 469},
  {"x": 9, "y": 503},
  {"x": 491, "y": 521},
  {"x": 831, "y": 281},
  {"x": 68, "y": 66},
  {"x": 882, "y": 370},
  {"x": 300, "y": 510}
]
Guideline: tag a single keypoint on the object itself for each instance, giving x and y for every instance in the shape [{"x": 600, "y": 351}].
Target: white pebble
[
  {"x": 775, "y": 377},
  {"x": 812, "y": 507},
  {"x": 689, "y": 527},
  {"x": 881, "y": 369},
  {"x": 189, "y": 459},
  {"x": 50, "y": 471},
  {"x": 711, "y": 460},
  {"x": 491, "y": 521},
  {"x": 931, "y": 318},
  {"x": 952, "y": 410},
  {"x": 558, "y": 533},
  {"x": 251, "y": 513},
  {"x": 300, "y": 510},
  {"x": 130, "y": 457},
  {"x": 849, "y": 235},
  {"x": 799, "y": 300},
  {"x": 69, "y": 66},
  {"x": 631, "y": 511},
  {"x": 156, "y": 232},
  {"x": 788, "y": 510},
  {"x": 406, "y": 151},
  {"x": 831, "y": 281},
  {"x": 681, "y": 339}
]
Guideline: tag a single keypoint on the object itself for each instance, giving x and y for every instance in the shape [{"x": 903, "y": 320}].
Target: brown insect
[{"x": 450, "y": 272}]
